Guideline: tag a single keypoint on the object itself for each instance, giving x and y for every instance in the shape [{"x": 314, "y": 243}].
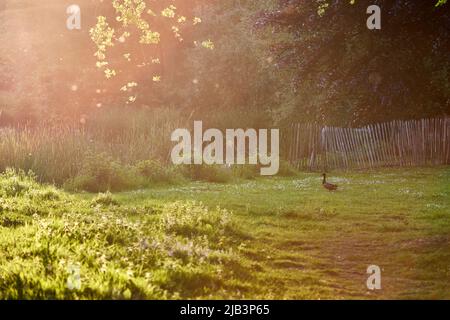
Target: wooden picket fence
[{"x": 395, "y": 143}]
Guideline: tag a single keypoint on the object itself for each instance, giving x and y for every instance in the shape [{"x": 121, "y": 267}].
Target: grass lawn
[{"x": 277, "y": 238}]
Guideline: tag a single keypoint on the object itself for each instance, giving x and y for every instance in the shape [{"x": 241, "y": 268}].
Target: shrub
[
  {"x": 245, "y": 171},
  {"x": 101, "y": 173},
  {"x": 14, "y": 187},
  {"x": 45, "y": 194},
  {"x": 155, "y": 172},
  {"x": 22, "y": 195},
  {"x": 209, "y": 173},
  {"x": 15, "y": 182}
]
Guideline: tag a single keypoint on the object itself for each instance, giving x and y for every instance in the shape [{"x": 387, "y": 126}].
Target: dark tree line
[{"x": 343, "y": 73}]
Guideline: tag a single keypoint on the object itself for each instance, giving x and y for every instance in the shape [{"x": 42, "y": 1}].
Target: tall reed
[{"x": 56, "y": 152}]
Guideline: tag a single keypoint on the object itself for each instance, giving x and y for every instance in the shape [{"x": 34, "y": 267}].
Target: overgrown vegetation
[
  {"x": 301, "y": 242},
  {"x": 110, "y": 152},
  {"x": 172, "y": 250}
]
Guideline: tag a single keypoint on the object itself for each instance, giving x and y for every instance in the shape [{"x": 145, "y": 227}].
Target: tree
[
  {"x": 344, "y": 73},
  {"x": 135, "y": 43},
  {"x": 233, "y": 85}
]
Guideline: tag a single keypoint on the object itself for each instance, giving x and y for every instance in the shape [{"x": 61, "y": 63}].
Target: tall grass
[
  {"x": 113, "y": 149},
  {"x": 56, "y": 153}
]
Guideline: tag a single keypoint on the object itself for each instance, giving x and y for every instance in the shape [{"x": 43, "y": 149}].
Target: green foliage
[
  {"x": 328, "y": 69},
  {"x": 231, "y": 86},
  {"x": 155, "y": 172},
  {"x": 21, "y": 196},
  {"x": 104, "y": 199},
  {"x": 149, "y": 246},
  {"x": 193, "y": 219},
  {"x": 118, "y": 255},
  {"x": 102, "y": 173},
  {"x": 110, "y": 152},
  {"x": 136, "y": 21},
  {"x": 294, "y": 231},
  {"x": 286, "y": 169},
  {"x": 341, "y": 73},
  {"x": 209, "y": 173},
  {"x": 246, "y": 171},
  {"x": 16, "y": 183},
  {"x": 114, "y": 141}
]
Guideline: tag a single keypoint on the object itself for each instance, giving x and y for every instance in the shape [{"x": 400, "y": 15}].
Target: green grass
[{"x": 281, "y": 238}]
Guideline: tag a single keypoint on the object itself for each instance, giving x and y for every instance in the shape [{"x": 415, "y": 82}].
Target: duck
[{"x": 327, "y": 185}]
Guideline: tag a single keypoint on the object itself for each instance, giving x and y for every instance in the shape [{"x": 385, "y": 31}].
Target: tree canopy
[
  {"x": 342, "y": 72},
  {"x": 273, "y": 61}
]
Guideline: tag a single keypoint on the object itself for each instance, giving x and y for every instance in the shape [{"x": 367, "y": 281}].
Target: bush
[
  {"x": 155, "y": 172},
  {"x": 45, "y": 194},
  {"x": 14, "y": 187},
  {"x": 101, "y": 173},
  {"x": 16, "y": 182},
  {"x": 209, "y": 173},
  {"x": 245, "y": 171},
  {"x": 21, "y": 195}
]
